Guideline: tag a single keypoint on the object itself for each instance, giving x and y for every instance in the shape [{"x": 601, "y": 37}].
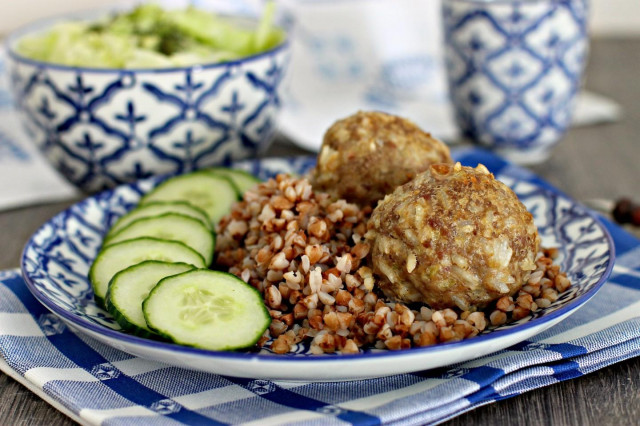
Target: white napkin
[
  {"x": 385, "y": 55},
  {"x": 25, "y": 175},
  {"x": 592, "y": 108}
]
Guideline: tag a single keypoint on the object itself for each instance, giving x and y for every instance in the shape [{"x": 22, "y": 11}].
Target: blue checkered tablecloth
[{"x": 96, "y": 384}]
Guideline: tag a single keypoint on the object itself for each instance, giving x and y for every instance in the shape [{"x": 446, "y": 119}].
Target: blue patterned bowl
[
  {"x": 514, "y": 68},
  {"x": 103, "y": 127}
]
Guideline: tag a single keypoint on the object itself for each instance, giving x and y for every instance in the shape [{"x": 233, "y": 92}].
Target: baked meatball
[
  {"x": 453, "y": 236},
  {"x": 367, "y": 155}
]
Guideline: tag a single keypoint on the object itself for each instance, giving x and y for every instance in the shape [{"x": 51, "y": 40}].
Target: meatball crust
[
  {"x": 452, "y": 237},
  {"x": 367, "y": 155}
]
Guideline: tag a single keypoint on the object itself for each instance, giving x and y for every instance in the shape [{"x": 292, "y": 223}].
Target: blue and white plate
[{"x": 57, "y": 258}]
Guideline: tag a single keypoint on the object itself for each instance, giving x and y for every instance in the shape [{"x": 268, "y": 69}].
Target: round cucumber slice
[
  {"x": 242, "y": 180},
  {"x": 170, "y": 226},
  {"x": 129, "y": 287},
  {"x": 207, "y": 309},
  {"x": 213, "y": 194},
  {"x": 119, "y": 256},
  {"x": 157, "y": 208}
]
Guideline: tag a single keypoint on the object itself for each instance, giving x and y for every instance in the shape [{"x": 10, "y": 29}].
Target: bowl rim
[
  {"x": 43, "y": 24},
  {"x": 131, "y": 339}
]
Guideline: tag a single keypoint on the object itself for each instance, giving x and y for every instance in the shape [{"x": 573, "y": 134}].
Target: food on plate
[
  {"x": 367, "y": 155},
  {"x": 243, "y": 181},
  {"x": 151, "y": 37},
  {"x": 206, "y": 309},
  {"x": 445, "y": 255},
  {"x": 129, "y": 287},
  {"x": 212, "y": 193},
  {"x": 157, "y": 208},
  {"x": 170, "y": 226},
  {"x": 116, "y": 257},
  {"x": 452, "y": 237},
  {"x": 307, "y": 255}
]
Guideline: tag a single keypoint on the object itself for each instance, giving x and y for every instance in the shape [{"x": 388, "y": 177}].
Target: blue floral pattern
[
  {"x": 101, "y": 128},
  {"x": 514, "y": 69},
  {"x": 56, "y": 260}
]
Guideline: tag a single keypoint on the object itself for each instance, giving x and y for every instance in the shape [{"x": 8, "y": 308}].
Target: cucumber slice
[
  {"x": 119, "y": 256},
  {"x": 213, "y": 194},
  {"x": 157, "y": 208},
  {"x": 170, "y": 226},
  {"x": 207, "y": 309},
  {"x": 242, "y": 180},
  {"x": 129, "y": 287}
]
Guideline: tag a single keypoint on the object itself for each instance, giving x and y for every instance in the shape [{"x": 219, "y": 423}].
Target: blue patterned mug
[
  {"x": 103, "y": 127},
  {"x": 514, "y": 68}
]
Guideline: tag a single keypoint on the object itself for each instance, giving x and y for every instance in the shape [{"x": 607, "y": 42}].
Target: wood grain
[{"x": 601, "y": 161}]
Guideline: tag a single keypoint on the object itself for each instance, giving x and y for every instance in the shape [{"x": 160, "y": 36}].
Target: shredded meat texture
[
  {"x": 452, "y": 237},
  {"x": 308, "y": 257},
  {"x": 447, "y": 253},
  {"x": 367, "y": 155}
]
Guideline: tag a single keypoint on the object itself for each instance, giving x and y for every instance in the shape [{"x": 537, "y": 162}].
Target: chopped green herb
[{"x": 152, "y": 37}]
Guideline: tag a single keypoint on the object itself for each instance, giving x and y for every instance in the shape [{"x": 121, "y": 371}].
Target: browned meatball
[
  {"x": 453, "y": 236},
  {"x": 367, "y": 155}
]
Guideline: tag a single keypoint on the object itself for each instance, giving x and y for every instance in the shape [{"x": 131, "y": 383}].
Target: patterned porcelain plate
[{"x": 57, "y": 258}]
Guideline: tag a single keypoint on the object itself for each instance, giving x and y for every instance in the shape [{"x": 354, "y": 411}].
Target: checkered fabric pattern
[{"x": 97, "y": 384}]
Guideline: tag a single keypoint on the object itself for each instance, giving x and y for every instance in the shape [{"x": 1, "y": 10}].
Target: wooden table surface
[{"x": 600, "y": 161}]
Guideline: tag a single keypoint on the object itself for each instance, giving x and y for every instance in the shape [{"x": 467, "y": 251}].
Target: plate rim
[{"x": 81, "y": 323}]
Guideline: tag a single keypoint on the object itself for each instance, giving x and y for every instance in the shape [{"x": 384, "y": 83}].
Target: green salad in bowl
[
  {"x": 114, "y": 97},
  {"x": 152, "y": 37}
]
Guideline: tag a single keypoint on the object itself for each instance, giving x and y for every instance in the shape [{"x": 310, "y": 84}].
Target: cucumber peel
[
  {"x": 170, "y": 226},
  {"x": 207, "y": 309},
  {"x": 243, "y": 181},
  {"x": 213, "y": 194},
  {"x": 157, "y": 208},
  {"x": 119, "y": 256},
  {"x": 129, "y": 287}
]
